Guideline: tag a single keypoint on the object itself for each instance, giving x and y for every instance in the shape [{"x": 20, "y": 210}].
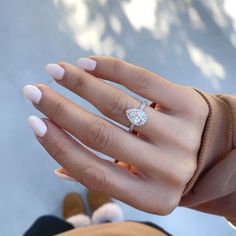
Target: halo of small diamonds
[{"x": 137, "y": 116}]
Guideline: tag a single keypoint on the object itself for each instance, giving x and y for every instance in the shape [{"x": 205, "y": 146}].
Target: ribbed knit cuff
[{"x": 217, "y": 137}]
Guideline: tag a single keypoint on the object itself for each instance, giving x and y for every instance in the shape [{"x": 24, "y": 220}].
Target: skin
[{"x": 161, "y": 159}]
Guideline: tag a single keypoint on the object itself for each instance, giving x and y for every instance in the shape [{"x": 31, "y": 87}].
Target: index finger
[{"x": 137, "y": 79}]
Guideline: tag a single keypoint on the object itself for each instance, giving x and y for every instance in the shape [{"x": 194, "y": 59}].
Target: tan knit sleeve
[
  {"x": 213, "y": 184},
  {"x": 118, "y": 229}
]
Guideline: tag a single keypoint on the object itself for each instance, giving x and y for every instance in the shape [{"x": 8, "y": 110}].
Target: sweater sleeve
[
  {"x": 118, "y": 229},
  {"x": 212, "y": 188}
]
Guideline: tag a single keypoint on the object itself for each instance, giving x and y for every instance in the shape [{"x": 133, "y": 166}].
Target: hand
[{"x": 164, "y": 154}]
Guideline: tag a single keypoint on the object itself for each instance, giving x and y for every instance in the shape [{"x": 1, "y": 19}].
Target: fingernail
[
  {"x": 61, "y": 175},
  {"x": 38, "y": 126},
  {"x": 124, "y": 165},
  {"x": 55, "y": 71},
  {"x": 87, "y": 64},
  {"x": 32, "y": 93}
]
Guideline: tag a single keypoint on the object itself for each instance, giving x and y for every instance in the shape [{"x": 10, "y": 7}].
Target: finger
[
  {"x": 103, "y": 175},
  {"x": 128, "y": 167},
  {"x": 137, "y": 79},
  {"x": 111, "y": 101},
  {"x": 91, "y": 130},
  {"x": 123, "y": 165},
  {"x": 64, "y": 174},
  {"x": 87, "y": 168}
]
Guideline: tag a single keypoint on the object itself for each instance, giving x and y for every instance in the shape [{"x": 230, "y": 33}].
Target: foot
[{"x": 104, "y": 211}]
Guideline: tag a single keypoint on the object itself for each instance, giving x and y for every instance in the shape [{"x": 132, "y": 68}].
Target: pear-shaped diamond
[{"x": 137, "y": 116}]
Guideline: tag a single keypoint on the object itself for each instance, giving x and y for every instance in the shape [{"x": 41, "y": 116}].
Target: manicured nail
[
  {"x": 87, "y": 64},
  {"x": 55, "y": 71},
  {"x": 32, "y": 93},
  {"x": 61, "y": 175},
  {"x": 38, "y": 126}
]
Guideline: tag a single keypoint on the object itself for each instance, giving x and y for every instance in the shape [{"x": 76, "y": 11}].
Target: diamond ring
[{"x": 137, "y": 116}]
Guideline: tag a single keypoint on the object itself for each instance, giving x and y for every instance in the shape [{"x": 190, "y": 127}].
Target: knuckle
[
  {"x": 100, "y": 134},
  {"x": 56, "y": 108},
  {"x": 116, "y": 66},
  {"x": 168, "y": 200},
  {"x": 142, "y": 79},
  {"x": 169, "y": 205},
  {"x": 117, "y": 105},
  {"x": 189, "y": 166},
  {"x": 180, "y": 179},
  {"x": 192, "y": 143},
  {"x": 187, "y": 140},
  {"x": 198, "y": 115},
  {"x": 186, "y": 165},
  {"x": 56, "y": 148},
  {"x": 196, "y": 108},
  {"x": 94, "y": 179},
  {"x": 78, "y": 82}
]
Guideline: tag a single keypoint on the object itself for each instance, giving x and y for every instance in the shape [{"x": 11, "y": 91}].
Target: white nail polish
[
  {"x": 38, "y": 126},
  {"x": 32, "y": 93},
  {"x": 56, "y": 71},
  {"x": 87, "y": 64},
  {"x": 63, "y": 176}
]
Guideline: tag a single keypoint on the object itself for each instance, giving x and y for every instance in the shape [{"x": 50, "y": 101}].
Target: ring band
[{"x": 137, "y": 116}]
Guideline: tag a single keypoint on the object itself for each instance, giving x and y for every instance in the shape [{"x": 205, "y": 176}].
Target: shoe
[
  {"x": 73, "y": 205},
  {"x": 103, "y": 209},
  {"x": 74, "y": 211},
  {"x": 97, "y": 199}
]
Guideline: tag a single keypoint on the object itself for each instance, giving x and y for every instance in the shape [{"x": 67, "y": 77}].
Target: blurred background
[{"x": 190, "y": 42}]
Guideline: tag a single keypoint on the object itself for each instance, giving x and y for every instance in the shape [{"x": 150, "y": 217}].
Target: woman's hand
[{"x": 164, "y": 154}]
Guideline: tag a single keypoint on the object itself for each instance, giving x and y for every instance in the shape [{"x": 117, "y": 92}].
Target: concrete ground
[{"x": 189, "y": 42}]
